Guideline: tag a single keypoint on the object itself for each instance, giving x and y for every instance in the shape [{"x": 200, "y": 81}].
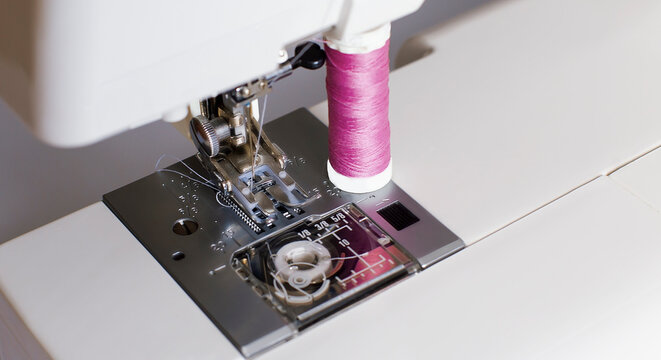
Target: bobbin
[{"x": 359, "y": 44}]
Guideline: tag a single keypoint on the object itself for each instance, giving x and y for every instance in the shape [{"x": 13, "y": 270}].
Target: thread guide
[{"x": 216, "y": 271}]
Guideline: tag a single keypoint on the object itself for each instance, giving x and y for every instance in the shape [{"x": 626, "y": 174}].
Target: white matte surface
[
  {"x": 522, "y": 102},
  {"x": 10, "y": 347},
  {"x": 583, "y": 269},
  {"x": 16, "y": 340},
  {"x": 631, "y": 331},
  {"x": 80, "y": 71},
  {"x": 87, "y": 289},
  {"x": 542, "y": 284},
  {"x": 522, "y": 113},
  {"x": 643, "y": 178}
]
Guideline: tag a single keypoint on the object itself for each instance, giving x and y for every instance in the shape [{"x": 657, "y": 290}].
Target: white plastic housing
[{"x": 79, "y": 71}]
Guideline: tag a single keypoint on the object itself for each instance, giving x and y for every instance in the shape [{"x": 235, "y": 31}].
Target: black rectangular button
[{"x": 398, "y": 215}]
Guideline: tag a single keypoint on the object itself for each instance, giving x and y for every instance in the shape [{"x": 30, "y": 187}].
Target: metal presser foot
[{"x": 249, "y": 169}]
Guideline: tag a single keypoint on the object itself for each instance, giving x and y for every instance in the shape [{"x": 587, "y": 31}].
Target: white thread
[
  {"x": 297, "y": 56},
  {"x": 188, "y": 177},
  {"x": 218, "y": 194},
  {"x": 261, "y": 119},
  {"x": 259, "y": 137},
  {"x": 183, "y": 163},
  {"x": 207, "y": 182}
]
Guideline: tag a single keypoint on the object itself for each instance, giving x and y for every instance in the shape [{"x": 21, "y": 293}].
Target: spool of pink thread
[{"x": 358, "y": 127}]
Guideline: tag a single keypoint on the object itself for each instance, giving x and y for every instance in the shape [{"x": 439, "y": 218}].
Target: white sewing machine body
[
  {"x": 72, "y": 63},
  {"x": 517, "y": 133}
]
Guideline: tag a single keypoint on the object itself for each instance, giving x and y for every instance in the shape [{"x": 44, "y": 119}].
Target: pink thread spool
[{"x": 358, "y": 128}]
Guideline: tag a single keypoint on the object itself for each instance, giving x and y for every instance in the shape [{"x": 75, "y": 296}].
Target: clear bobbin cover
[{"x": 322, "y": 263}]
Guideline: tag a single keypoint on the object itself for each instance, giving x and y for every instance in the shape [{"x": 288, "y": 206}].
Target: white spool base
[
  {"x": 362, "y": 43},
  {"x": 360, "y": 184}
]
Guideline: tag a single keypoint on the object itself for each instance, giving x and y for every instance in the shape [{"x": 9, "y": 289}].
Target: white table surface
[
  {"x": 520, "y": 103},
  {"x": 508, "y": 113}
]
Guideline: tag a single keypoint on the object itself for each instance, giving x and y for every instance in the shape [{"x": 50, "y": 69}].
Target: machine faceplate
[{"x": 203, "y": 243}]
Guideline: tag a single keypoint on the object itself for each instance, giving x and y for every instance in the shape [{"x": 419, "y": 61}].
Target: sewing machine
[{"x": 522, "y": 220}]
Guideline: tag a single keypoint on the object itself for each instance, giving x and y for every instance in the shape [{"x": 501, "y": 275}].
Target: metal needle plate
[{"x": 193, "y": 235}]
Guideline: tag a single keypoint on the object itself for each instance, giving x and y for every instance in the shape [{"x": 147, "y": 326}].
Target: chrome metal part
[
  {"x": 218, "y": 264},
  {"x": 227, "y": 134},
  {"x": 258, "y": 182},
  {"x": 209, "y": 134}
]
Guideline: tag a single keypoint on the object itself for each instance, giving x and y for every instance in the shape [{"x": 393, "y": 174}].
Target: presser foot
[{"x": 247, "y": 167}]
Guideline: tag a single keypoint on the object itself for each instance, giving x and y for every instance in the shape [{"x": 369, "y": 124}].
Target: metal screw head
[
  {"x": 282, "y": 56},
  {"x": 237, "y": 140},
  {"x": 205, "y": 135},
  {"x": 236, "y": 120}
]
